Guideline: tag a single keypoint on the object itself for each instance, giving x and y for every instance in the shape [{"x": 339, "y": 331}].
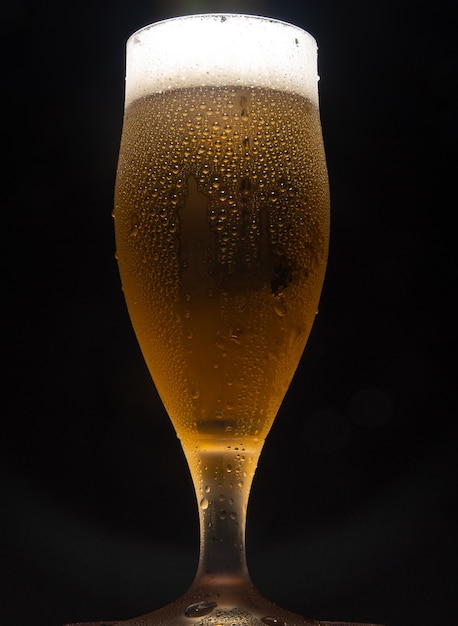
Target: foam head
[{"x": 218, "y": 50}]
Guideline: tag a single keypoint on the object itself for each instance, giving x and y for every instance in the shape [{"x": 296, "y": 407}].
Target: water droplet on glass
[
  {"x": 204, "y": 504},
  {"x": 280, "y": 306},
  {"x": 235, "y": 336},
  {"x": 272, "y": 621},
  {"x": 195, "y": 394},
  {"x": 222, "y": 515},
  {"x": 200, "y": 608}
]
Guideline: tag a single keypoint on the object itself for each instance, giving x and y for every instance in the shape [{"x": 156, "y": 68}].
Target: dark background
[{"x": 352, "y": 513}]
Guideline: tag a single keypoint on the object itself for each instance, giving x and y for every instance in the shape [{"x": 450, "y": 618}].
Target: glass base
[{"x": 247, "y": 609}]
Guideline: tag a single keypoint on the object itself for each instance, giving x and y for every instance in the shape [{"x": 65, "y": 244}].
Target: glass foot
[{"x": 247, "y": 609}]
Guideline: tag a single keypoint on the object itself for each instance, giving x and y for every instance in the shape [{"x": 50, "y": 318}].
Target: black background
[{"x": 351, "y": 515}]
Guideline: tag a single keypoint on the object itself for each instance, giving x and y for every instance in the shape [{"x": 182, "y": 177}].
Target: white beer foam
[{"x": 221, "y": 49}]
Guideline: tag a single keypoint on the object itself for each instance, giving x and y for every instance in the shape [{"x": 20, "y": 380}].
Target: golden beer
[{"x": 222, "y": 227}]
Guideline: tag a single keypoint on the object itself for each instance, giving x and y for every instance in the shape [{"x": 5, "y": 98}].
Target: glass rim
[{"x": 222, "y": 16}]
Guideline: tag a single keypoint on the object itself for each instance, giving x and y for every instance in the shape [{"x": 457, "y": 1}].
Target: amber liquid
[{"x": 222, "y": 227}]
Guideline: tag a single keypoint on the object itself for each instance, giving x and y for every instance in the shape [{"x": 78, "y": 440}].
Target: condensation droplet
[
  {"x": 204, "y": 504},
  {"x": 272, "y": 621},
  {"x": 195, "y": 394},
  {"x": 280, "y": 307},
  {"x": 235, "y": 336},
  {"x": 200, "y": 608}
]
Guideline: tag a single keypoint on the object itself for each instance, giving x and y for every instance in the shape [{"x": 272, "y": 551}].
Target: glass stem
[{"x": 222, "y": 479}]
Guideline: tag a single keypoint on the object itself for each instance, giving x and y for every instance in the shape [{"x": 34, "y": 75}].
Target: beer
[{"x": 222, "y": 223}]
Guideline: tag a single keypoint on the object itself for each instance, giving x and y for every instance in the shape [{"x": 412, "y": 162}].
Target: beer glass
[{"x": 222, "y": 227}]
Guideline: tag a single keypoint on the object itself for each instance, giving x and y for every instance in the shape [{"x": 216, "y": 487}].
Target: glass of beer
[{"x": 222, "y": 229}]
